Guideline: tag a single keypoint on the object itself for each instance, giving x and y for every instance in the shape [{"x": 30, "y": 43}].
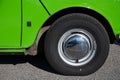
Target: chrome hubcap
[{"x": 77, "y": 47}]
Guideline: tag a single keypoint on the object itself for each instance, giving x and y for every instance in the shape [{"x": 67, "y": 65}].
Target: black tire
[{"x": 73, "y": 21}]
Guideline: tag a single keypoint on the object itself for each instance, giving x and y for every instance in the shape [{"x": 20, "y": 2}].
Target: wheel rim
[{"x": 77, "y": 47}]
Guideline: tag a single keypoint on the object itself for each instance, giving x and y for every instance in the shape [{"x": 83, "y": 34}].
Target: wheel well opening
[{"x": 85, "y": 11}]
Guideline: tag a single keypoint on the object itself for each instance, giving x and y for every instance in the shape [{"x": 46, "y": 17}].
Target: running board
[{"x": 12, "y": 51}]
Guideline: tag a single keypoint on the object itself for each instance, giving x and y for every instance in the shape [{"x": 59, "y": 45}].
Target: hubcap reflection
[{"x": 77, "y": 47}]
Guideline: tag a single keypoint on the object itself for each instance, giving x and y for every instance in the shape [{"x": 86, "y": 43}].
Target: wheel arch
[
  {"x": 63, "y": 12},
  {"x": 90, "y": 12}
]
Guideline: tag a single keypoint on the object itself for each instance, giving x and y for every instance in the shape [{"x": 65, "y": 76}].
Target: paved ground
[{"x": 36, "y": 68}]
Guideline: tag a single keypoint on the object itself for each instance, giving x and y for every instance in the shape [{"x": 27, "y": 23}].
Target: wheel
[{"x": 76, "y": 44}]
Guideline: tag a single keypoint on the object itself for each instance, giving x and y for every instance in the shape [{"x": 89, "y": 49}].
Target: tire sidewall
[{"x": 76, "y": 21}]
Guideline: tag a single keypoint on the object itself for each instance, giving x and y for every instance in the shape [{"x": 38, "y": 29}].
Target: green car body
[{"x": 22, "y": 20}]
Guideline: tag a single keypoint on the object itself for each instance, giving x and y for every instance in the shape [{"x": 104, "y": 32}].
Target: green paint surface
[
  {"x": 110, "y": 9},
  {"x": 14, "y": 15},
  {"x": 10, "y": 23}
]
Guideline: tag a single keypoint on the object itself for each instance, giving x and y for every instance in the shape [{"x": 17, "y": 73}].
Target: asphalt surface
[{"x": 36, "y": 68}]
